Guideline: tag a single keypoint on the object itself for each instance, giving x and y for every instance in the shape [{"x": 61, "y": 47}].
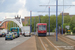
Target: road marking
[
  {"x": 52, "y": 44},
  {"x": 42, "y": 44},
  {"x": 12, "y": 42}
]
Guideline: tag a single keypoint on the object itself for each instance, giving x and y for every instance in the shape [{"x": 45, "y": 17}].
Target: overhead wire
[{"x": 46, "y": 6}]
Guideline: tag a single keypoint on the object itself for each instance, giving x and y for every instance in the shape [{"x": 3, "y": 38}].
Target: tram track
[
  {"x": 52, "y": 43},
  {"x": 47, "y": 44},
  {"x": 61, "y": 44},
  {"x": 66, "y": 40}
]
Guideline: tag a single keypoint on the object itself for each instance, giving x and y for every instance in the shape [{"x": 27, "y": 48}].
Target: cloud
[
  {"x": 73, "y": 3},
  {"x": 10, "y": 8},
  {"x": 1, "y": 1},
  {"x": 71, "y": 9},
  {"x": 7, "y": 15},
  {"x": 23, "y": 12},
  {"x": 11, "y": 12}
]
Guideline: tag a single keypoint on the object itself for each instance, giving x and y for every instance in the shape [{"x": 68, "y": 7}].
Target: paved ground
[
  {"x": 38, "y": 43},
  {"x": 43, "y": 44},
  {"x": 70, "y": 36},
  {"x": 9, "y": 44},
  {"x": 30, "y": 44},
  {"x": 61, "y": 44}
]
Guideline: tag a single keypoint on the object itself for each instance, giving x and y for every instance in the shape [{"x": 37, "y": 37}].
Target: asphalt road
[{"x": 9, "y": 44}]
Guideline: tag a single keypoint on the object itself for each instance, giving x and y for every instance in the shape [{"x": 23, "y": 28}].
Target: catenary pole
[
  {"x": 30, "y": 21},
  {"x": 63, "y": 11},
  {"x": 34, "y": 25},
  {"x": 39, "y": 18},
  {"x": 62, "y": 23},
  {"x": 49, "y": 20},
  {"x": 56, "y": 20}
]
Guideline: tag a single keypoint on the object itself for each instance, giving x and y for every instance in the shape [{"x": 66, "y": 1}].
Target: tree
[
  {"x": 67, "y": 19},
  {"x": 11, "y": 24},
  {"x": 72, "y": 23},
  {"x": 52, "y": 22},
  {"x": 45, "y": 19},
  {"x": 59, "y": 20}
]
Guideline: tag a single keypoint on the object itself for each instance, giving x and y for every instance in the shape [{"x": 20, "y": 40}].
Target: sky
[{"x": 12, "y": 8}]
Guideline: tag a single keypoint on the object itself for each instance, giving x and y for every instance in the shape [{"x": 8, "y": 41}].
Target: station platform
[{"x": 30, "y": 44}]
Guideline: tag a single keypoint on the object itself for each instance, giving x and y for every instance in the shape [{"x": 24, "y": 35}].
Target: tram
[{"x": 41, "y": 29}]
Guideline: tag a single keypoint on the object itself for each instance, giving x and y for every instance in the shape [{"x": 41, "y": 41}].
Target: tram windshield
[{"x": 42, "y": 27}]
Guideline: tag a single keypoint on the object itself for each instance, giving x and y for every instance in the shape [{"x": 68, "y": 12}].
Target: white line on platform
[
  {"x": 42, "y": 44},
  {"x": 52, "y": 44}
]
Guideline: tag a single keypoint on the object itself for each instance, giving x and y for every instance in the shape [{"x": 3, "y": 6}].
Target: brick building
[
  {"x": 28, "y": 17},
  {"x": 4, "y": 25},
  {"x": 64, "y": 14},
  {"x": 23, "y": 21},
  {"x": 67, "y": 14},
  {"x": 26, "y": 20}
]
